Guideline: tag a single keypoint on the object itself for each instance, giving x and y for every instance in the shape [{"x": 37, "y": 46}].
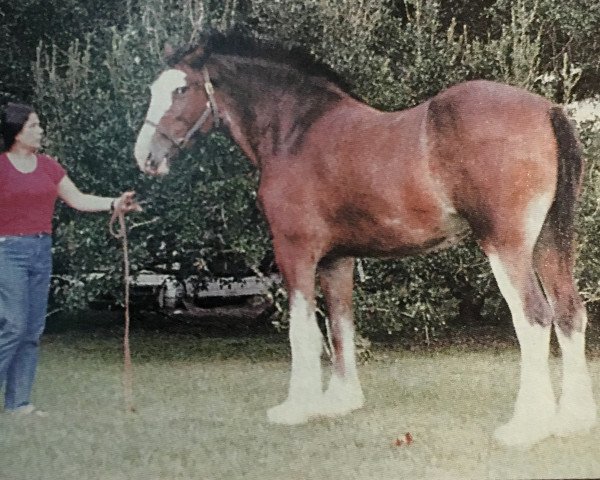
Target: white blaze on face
[{"x": 162, "y": 93}]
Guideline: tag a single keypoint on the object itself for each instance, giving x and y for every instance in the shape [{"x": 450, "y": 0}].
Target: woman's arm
[{"x": 72, "y": 196}]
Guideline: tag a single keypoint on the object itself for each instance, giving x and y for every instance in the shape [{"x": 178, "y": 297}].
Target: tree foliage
[{"x": 90, "y": 84}]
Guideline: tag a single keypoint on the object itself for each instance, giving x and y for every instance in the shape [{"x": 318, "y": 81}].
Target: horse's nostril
[{"x": 149, "y": 164}]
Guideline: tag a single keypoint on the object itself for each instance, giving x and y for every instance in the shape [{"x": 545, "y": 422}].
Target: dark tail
[{"x": 560, "y": 219}]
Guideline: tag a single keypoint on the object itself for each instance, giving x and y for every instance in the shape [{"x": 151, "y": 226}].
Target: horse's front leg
[
  {"x": 298, "y": 269},
  {"x": 344, "y": 392}
]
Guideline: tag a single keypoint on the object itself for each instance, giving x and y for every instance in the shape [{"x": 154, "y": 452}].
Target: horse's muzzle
[{"x": 155, "y": 167}]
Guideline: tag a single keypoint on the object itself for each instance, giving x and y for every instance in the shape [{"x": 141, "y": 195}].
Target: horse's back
[{"x": 481, "y": 111}]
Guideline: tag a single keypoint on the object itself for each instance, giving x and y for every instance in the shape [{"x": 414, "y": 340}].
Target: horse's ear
[{"x": 168, "y": 50}]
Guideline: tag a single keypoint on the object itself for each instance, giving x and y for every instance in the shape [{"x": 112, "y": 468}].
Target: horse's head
[
  {"x": 262, "y": 89},
  {"x": 182, "y": 103}
]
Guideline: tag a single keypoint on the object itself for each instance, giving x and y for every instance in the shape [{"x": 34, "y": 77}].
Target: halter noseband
[{"x": 211, "y": 107}]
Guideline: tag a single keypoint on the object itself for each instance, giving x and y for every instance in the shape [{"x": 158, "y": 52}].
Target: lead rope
[{"x": 127, "y": 365}]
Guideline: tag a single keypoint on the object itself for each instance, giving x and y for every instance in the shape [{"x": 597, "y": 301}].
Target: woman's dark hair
[{"x": 14, "y": 116}]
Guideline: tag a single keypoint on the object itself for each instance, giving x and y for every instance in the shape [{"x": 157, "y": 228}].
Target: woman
[{"x": 29, "y": 185}]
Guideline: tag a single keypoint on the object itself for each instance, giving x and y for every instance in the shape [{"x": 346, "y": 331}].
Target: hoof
[
  {"x": 522, "y": 434},
  {"x": 337, "y": 410},
  {"x": 335, "y": 404},
  {"x": 569, "y": 423},
  {"x": 289, "y": 413}
]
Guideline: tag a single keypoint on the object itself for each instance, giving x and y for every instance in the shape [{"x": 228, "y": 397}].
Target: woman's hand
[{"x": 126, "y": 203}]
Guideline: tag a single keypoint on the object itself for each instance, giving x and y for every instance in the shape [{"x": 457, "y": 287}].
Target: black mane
[
  {"x": 242, "y": 45},
  {"x": 255, "y": 74}
]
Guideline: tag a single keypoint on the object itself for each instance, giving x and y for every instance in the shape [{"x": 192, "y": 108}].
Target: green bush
[
  {"x": 588, "y": 265},
  {"x": 202, "y": 217},
  {"x": 93, "y": 100}
]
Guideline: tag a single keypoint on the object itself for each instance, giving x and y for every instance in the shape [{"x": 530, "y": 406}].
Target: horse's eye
[{"x": 180, "y": 90}]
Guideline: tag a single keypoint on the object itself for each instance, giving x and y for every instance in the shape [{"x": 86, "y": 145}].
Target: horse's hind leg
[
  {"x": 344, "y": 392},
  {"x": 577, "y": 409},
  {"x": 305, "y": 389},
  {"x": 510, "y": 252},
  {"x": 535, "y": 406}
]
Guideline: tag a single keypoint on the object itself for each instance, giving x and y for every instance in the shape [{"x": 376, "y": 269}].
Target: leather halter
[{"x": 211, "y": 107}]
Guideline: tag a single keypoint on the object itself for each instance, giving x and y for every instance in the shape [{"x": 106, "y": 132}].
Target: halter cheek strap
[
  {"x": 207, "y": 111},
  {"x": 211, "y": 107},
  {"x": 210, "y": 91}
]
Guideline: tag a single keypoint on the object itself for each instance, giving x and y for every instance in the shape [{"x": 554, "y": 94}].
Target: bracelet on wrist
[{"x": 112, "y": 205}]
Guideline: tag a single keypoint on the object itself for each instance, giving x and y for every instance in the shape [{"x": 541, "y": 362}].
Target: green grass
[{"x": 201, "y": 406}]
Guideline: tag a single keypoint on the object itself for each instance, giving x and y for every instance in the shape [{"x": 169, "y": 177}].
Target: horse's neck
[{"x": 266, "y": 119}]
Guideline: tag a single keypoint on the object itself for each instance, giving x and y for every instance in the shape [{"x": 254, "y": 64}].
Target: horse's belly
[{"x": 394, "y": 238}]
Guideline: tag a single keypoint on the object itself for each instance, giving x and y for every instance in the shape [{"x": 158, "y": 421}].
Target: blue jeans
[{"x": 25, "y": 268}]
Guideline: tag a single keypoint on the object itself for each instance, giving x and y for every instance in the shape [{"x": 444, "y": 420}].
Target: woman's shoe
[{"x": 28, "y": 409}]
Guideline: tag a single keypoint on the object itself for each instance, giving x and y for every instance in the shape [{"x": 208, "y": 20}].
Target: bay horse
[{"x": 340, "y": 179}]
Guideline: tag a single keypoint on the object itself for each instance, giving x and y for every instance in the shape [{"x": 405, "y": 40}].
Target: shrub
[{"x": 94, "y": 96}]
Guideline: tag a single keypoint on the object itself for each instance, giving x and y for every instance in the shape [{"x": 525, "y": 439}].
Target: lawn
[{"x": 201, "y": 406}]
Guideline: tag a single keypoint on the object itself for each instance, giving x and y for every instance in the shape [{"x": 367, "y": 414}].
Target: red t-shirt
[{"x": 27, "y": 199}]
